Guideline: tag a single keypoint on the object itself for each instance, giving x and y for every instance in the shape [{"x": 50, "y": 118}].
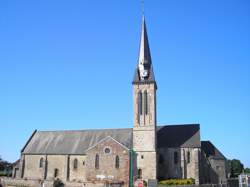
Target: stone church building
[{"x": 121, "y": 157}]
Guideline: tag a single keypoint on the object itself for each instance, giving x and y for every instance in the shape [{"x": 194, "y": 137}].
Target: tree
[
  {"x": 1, "y": 164},
  {"x": 236, "y": 167},
  {"x": 247, "y": 170}
]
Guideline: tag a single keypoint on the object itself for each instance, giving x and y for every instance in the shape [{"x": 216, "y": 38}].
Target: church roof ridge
[
  {"x": 173, "y": 125},
  {"x": 127, "y": 128},
  {"x": 83, "y": 130}
]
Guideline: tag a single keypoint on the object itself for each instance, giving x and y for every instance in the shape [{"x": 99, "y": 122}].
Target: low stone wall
[{"x": 10, "y": 182}]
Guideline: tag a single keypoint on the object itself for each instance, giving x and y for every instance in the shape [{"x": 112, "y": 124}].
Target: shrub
[{"x": 177, "y": 182}]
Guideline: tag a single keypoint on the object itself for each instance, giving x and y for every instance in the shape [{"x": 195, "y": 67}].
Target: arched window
[
  {"x": 145, "y": 102},
  {"x": 56, "y": 171},
  {"x": 41, "y": 163},
  {"x": 75, "y": 164},
  {"x": 96, "y": 161},
  {"x": 140, "y": 103},
  {"x": 188, "y": 157},
  {"x": 175, "y": 157},
  {"x": 117, "y": 162},
  {"x": 139, "y": 173}
]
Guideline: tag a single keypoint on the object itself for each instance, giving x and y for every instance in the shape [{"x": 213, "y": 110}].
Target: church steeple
[
  {"x": 144, "y": 94},
  {"x": 144, "y": 70}
]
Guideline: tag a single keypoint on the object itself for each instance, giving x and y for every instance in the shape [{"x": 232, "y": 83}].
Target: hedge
[{"x": 177, "y": 182}]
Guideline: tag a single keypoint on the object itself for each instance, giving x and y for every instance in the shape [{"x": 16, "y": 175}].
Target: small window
[
  {"x": 175, "y": 157},
  {"x": 41, "y": 163},
  {"x": 56, "y": 171},
  {"x": 142, "y": 157},
  {"x": 107, "y": 150},
  {"x": 188, "y": 157},
  {"x": 139, "y": 173},
  {"x": 96, "y": 161},
  {"x": 83, "y": 163},
  {"x": 75, "y": 163},
  {"x": 117, "y": 162}
]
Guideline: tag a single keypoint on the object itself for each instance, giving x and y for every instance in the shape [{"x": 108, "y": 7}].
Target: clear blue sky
[{"x": 69, "y": 65}]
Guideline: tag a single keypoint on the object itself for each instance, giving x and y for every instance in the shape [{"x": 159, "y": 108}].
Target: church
[{"x": 121, "y": 157}]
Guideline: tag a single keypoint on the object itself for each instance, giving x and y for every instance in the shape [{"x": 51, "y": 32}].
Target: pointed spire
[
  {"x": 144, "y": 71},
  {"x": 144, "y": 55}
]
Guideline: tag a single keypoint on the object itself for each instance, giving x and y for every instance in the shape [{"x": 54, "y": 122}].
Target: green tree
[
  {"x": 236, "y": 167},
  {"x": 1, "y": 164},
  {"x": 247, "y": 170}
]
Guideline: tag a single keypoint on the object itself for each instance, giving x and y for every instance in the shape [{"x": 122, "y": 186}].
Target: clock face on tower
[{"x": 143, "y": 71}]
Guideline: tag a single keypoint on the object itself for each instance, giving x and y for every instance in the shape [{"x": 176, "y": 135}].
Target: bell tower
[{"x": 144, "y": 94}]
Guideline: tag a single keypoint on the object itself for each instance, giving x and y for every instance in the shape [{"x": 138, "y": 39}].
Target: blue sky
[{"x": 69, "y": 65}]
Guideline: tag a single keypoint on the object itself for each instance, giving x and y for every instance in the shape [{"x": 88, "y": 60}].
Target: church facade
[{"x": 120, "y": 157}]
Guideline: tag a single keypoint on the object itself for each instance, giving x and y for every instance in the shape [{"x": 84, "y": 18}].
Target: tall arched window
[
  {"x": 140, "y": 103},
  {"x": 117, "y": 162},
  {"x": 41, "y": 163},
  {"x": 188, "y": 157},
  {"x": 139, "y": 173},
  {"x": 96, "y": 161},
  {"x": 175, "y": 157},
  {"x": 75, "y": 163},
  {"x": 145, "y": 102}
]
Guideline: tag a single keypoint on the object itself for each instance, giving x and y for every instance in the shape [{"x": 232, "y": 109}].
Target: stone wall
[
  {"x": 219, "y": 167},
  {"x": 144, "y": 130},
  {"x": 63, "y": 163},
  {"x": 150, "y": 119},
  {"x": 9, "y": 182},
  {"x": 212, "y": 170},
  {"x": 107, "y": 170},
  {"x": 146, "y": 162},
  {"x": 32, "y": 169},
  {"x": 184, "y": 168},
  {"x": 58, "y": 162},
  {"x": 78, "y": 173}
]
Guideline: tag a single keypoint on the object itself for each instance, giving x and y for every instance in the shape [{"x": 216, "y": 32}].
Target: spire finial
[{"x": 142, "y": 7}]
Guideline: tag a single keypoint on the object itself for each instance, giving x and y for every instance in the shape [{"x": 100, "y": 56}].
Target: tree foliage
[
  {"x": 236, "y": 167},
  {"x": 4, "y": 164},
  {"x": 247, "y": 170}
]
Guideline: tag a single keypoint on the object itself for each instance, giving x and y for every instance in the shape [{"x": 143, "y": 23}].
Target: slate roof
[
  {"x": 144, "y": 54},
  {"x": 77, "y": 142},
  {"x": 73, "y": 142},
  {"x": 144, "y": 57},
  {"x": 211, "y": 151},
  {"x": 179, "y": 136},
  {"x": 150, "y": 79}
]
